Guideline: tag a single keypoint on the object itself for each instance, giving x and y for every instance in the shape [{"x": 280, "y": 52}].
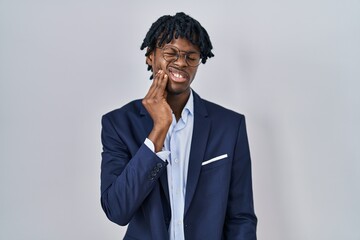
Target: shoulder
[
  {"x": 217, "y": 109},
  {"x": 218, "y": 112},
  {"x": 225, "y": 121}
]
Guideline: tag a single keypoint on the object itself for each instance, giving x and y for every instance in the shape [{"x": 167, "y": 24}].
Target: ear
[{"x": 149, "y": 57}]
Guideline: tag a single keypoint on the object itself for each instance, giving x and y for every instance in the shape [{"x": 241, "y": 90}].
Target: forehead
[{"x": 183, "y": 44}]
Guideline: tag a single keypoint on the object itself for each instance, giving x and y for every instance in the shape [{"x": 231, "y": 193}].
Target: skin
[{"x": 170, "y": 89}]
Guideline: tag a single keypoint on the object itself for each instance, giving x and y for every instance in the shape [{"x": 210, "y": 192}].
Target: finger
[
  {"x": 163, "y": 84},
  {"x": 157, "y": 83},
  {"x": 160, "y": 89},
  {"x": 153, "y": 86}
]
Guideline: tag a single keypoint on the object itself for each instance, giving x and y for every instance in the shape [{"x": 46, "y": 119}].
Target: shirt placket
[{"x": 177, "y": 182}]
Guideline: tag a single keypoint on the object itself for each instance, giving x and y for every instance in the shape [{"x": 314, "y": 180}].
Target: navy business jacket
[{"x": 219, "y": 197}]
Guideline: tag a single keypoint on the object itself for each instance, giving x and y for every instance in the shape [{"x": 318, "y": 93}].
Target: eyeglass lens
[{"x": 172, "y": 54}]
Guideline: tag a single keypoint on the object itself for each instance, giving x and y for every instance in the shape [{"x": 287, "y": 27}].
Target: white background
[{"x": 292, "y": 67}]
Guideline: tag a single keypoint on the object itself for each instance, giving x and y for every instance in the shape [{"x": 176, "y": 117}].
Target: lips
[{"x": 177, "y": 75}]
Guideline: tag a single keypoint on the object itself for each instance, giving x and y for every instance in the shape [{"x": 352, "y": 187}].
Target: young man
[{"x": 175, "y": 166}]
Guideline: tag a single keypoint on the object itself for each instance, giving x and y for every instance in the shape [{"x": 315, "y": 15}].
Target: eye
[
  {"x": 193, "y": 57},
  {"x": 170, "y": 53},
  {"x": 169, "y": 50}
]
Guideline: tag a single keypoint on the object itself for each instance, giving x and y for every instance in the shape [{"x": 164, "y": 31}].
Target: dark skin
[{"x": 170, "y": 89}]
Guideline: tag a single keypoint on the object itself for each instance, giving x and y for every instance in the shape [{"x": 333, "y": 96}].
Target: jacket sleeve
[
  {"x": 241, "y": 220},
  {"x": 126, "y": 180}
]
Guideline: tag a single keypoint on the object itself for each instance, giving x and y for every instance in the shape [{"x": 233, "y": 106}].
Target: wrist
[{"x": 157, "y": 136}]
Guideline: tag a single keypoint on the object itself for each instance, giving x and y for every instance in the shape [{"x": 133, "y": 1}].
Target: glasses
[{"x": 172, "y": 54}]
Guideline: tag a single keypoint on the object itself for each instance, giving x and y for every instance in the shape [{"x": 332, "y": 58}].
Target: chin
[
  {"x": 177, "y": 90},
  {"x": 174, "y": 91}
]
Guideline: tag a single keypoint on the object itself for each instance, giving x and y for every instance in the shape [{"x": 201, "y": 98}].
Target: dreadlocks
[{"x": 181, "y": 25}]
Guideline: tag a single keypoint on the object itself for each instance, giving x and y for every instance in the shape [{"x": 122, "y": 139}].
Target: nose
[{"x": 181, "y": 60}]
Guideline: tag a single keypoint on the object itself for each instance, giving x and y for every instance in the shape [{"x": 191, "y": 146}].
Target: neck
[{"x": 177, "y": 103}]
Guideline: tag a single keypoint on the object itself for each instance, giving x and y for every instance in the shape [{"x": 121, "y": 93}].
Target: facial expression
[{"x": 179, "y": 72}]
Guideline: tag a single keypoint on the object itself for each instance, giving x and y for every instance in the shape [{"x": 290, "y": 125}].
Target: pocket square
[{"x": 214, "y": 159}]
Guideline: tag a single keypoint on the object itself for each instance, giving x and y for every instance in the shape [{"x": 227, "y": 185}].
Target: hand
[{"x": 159, "y": 110}]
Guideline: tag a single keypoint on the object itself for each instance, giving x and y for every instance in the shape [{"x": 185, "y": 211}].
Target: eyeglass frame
[{"x": 180, "y": 52}]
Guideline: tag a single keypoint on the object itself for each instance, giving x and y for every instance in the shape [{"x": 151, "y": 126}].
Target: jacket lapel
[{"x": 198, "y": 146}]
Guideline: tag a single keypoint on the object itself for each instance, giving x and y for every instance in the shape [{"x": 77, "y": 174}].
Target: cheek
[
  {"x": 193, "y": 74},
  {"x": 159, "y": 63}
]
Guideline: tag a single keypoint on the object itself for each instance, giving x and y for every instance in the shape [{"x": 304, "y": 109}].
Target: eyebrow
[{"x": 188, "y": 52}]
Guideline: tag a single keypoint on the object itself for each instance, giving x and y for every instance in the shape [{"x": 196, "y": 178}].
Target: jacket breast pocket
[{"x": 215, "y": 162}]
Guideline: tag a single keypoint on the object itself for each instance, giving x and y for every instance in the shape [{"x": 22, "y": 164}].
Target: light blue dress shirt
[{"x": 176, "y": 151}]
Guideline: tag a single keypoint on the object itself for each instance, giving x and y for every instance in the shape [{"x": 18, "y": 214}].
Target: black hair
[{"x": 167, "y": 27}]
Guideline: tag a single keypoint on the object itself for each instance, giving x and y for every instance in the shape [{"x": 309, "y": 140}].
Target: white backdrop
[{"x": 292, "y": 67}]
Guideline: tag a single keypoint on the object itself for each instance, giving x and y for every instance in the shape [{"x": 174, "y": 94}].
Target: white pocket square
[{"x": 214, "y": 159}]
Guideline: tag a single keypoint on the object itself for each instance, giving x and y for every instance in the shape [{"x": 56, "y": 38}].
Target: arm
[
  {"x": 126, "y": 181},
  {"x": 240, "y": 218}
]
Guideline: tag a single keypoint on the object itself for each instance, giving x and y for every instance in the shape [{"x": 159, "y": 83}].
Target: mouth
[{"x": 177, "y": 75}]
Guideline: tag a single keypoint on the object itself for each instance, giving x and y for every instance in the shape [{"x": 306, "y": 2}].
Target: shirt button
[{"x": 176, "y": 160}]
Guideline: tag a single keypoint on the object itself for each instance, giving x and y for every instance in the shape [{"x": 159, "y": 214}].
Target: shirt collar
[{"x": 189, "y": 108}]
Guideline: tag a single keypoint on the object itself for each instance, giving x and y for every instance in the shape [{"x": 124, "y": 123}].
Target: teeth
[{"x": 178, "y": 75}]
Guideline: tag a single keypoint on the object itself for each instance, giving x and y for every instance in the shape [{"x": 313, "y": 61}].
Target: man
[{"x": 175, "y": 166}]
